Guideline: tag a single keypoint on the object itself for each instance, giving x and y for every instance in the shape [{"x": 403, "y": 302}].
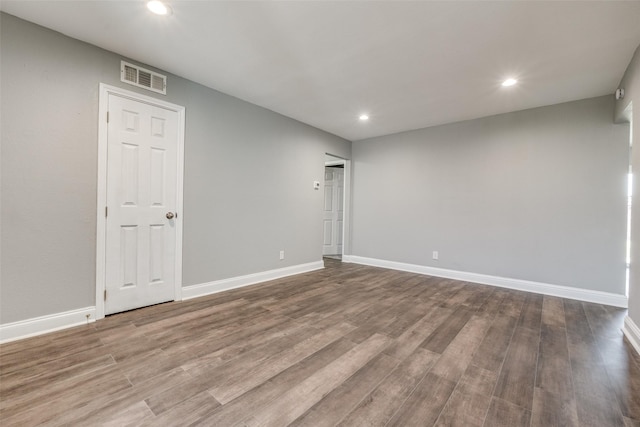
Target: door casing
[{"x": 101, "y": 222}]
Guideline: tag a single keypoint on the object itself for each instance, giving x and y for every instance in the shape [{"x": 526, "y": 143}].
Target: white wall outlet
[
  {"x": 435, "y": 255},
  {"x": 281, "y": 255},
  {"x": 316, "y": 185}
]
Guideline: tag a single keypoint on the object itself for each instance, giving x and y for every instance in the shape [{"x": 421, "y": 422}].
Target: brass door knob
[{"x": 170, "y": 215}]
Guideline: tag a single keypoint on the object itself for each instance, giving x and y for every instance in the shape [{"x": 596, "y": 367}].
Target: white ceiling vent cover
[{"x": 141, "y": 77}]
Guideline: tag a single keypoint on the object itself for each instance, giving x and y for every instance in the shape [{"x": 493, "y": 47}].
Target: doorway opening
[
  {"x": 336, "y": 174},
  {"x": 139, "y": 203}
]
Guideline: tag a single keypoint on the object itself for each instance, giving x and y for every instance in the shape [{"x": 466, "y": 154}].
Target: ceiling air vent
[{"x": 141, "y": 77}]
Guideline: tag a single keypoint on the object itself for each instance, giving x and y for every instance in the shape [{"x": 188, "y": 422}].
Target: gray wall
[
  {"x": 535, "y": 195},
  {"x": 248, "y": 176},
  {"x": 631, "y": 84}
]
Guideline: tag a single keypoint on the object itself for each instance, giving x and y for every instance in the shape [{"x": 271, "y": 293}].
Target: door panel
[
  {"x": 333, "y": 210},
  {"x": 142, "y": 146},
  {"x": 327, "y": 232}
]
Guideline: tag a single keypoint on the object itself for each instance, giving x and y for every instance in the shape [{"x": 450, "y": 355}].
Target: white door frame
[
  {"x": 101, "y": 229},
  {"x": 346, "y": 204}
]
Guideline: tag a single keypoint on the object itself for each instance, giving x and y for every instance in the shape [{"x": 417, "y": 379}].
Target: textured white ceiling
[{"x": 407, "y": 64}]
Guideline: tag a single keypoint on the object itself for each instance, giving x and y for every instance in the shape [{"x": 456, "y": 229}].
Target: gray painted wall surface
[
  {"x": 631, "y": 84},
  {"x": 248, "y": 176},
  {"x": 535, "y": 195}
]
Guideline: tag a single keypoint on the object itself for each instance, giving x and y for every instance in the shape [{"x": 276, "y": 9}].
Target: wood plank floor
[{"x": 349, "y": 345}]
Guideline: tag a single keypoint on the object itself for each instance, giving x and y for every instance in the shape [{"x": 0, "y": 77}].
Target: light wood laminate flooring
[{"x": 349, "y": 345}]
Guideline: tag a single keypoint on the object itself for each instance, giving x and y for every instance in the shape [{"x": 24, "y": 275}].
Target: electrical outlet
[
  {"x": 435, "y": 255},
  {"x": 281, "y": 255}
]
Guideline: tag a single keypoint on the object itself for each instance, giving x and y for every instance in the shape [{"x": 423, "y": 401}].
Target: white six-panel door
[
  {"x": 333, "y": 210},
  {"x": 140, "y": 253}
]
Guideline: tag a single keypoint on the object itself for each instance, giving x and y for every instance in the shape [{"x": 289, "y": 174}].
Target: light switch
[{"x": 316, "y": 185}]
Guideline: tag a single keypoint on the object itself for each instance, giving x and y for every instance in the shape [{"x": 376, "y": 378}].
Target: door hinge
[
  {"x": 107, "y": 117},
  {"x": 106, "y": 210},
  {"x": 105, "y": 294}
]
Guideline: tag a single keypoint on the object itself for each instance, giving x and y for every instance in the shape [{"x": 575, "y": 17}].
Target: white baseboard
[
  {"x": 203, "y": 289},
  {"x": 632, "y": 332},
  {"x": 599, "y": 297},
  {"x": 53, "y": 322},
  {"x": 41, "y": 325}
]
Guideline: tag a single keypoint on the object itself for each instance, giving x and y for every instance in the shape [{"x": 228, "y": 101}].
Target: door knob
[{"x": 170, "y": 215}]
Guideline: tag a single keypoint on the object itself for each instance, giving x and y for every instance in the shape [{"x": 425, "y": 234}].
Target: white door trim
[{"x": 101, "y": 228}]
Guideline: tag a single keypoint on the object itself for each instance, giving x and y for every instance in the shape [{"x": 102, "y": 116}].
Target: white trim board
[
  {"x": 632, "y": 332},
  {"x": 44, "y": 324},
  {"x": 195, "y": 291},
  {"x": 587, "y": 295}
]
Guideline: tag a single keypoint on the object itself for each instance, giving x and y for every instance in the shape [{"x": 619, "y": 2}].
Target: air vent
[{"x": 141, "y": 77}]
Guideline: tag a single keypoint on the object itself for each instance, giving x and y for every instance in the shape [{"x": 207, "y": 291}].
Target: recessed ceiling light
[
  {"x": 509, "y": 82},
  {"x": 363, "y": 117},
  {"x": 158, "y": 7}
]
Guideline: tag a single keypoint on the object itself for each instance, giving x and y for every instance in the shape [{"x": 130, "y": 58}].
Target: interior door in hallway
[
  {"x": 333, "y": 210},
  {"x": 142, "y": 167}
]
